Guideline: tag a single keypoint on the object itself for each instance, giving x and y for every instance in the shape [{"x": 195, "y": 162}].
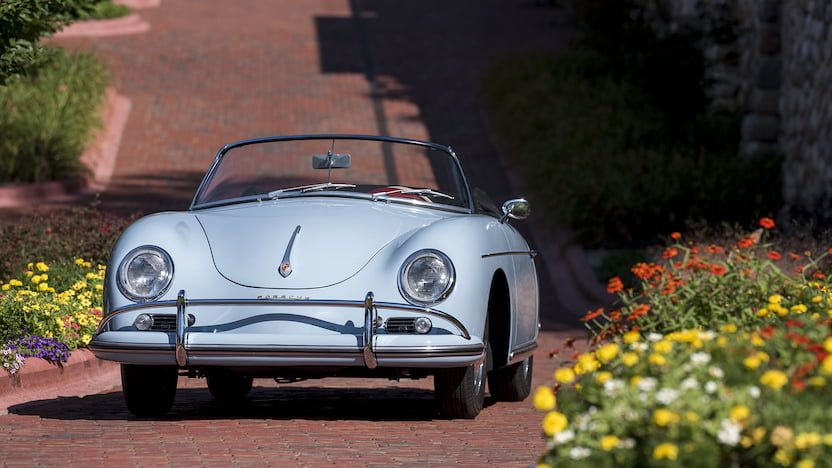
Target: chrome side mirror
[{"x": 515, "y": 209}]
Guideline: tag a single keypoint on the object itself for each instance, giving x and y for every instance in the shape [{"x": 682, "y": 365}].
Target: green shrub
[
  {"x": 602, "y": 158},
  {"x": 106, "y": 9},
  {"x": 46, "y": 118},
  {"x": 58, "y": 236}
]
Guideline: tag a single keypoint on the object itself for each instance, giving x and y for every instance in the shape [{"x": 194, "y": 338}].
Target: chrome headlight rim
[
  {"x": 406, "y": 267},
  {"x": 121, "y": 279}
]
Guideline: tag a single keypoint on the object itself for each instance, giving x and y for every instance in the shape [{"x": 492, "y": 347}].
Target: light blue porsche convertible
[{"x": 325, "y": 255}]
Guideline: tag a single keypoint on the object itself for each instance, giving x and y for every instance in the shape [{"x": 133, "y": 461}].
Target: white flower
[
  {"x": 654, "y": 337},
  {"x": 716, "y": 372},
  {"x": 582, "y": 422},
  {"x": 613, "y": 386},
  {"x": 729, "y": 432},
  {"x": 563, "y": 437},
  {"x": 754, "y": 391},
  {"x": 577, "y": 453},
  {"x": 707, "y": 335},
  {"x": 666, "y": 396},
  {"x": 639, "y": 346},
  {"x": 689, "y": 383},
  {"x": 627, "y": 443},
  {"x": 647, "y": 384},
  {"x": 710, "y": 386},
  {"x": 700, "y": 358}
]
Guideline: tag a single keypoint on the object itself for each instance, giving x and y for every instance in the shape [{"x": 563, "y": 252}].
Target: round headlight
[
  {"x": 426, "y": 277},
  {"x": 145, "y": 273}
]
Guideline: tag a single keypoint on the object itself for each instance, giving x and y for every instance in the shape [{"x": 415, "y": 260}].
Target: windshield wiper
[
  {"x": 309, "y": 188},
  {"x": 413, "y": 191}
]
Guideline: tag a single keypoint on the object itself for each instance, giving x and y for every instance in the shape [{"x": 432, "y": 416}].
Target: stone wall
[
  {"x": 776, "y": 71},
  {"x": 806, "y": 106}
]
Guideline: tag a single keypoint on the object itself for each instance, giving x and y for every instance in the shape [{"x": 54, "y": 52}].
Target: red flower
[
  {"x": 718, "y": 270},
  {"x": 794, "y": 323},
  {"x": 715, "y": 249},
  {"x": 798, "y": 385},
  {"x": 818, "y": 275},
  {"x": 746, "y": 242},
  {"x": 646, "y": 271},
  {"x": 676, "y": 235},
  {"x": 794, "y": 256},
  {"x": 766, "y": 223},
  {"x": 767, "y": 332},
  {"x": 615, "y": 285},
  {"x": 670, "y": 252},
  {"x": 592, "y": 315},
  {"x": 615, "y": 315},
  {"x": 774, "y": 255},
  {"x": 638, "y": 312}
]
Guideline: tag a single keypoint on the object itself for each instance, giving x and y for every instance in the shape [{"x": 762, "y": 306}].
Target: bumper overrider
[{"x": 187, "y": 347}]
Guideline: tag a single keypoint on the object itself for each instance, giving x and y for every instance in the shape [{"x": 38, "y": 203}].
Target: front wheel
[
  {"x": 460, "y": 392},
  {"x": 512, "y": 383},
  {"x": 148, "y": 390}
]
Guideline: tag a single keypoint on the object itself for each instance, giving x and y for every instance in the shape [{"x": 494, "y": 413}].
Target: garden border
[
  {"x": 130, "y": 24},
  {"x": 99, "y": 157},
  {"x": 38, "y": 379}
]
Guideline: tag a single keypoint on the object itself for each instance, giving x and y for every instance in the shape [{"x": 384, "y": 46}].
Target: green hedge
[
  {"x": 600, "y": 155},
  {"x": 46, "y": 117}
]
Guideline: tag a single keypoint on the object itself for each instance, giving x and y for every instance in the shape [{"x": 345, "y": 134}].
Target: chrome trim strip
[
  {"x": 213, "y": 350},
  {"x": 530, "y": 253},
  {"x": 285, "y": 268},
  {"x": 181, "y": 324},
  {"x": 286, "y": 302},
  {"x": 520, "y": 353},
  {"x": 369, "y": 332}
]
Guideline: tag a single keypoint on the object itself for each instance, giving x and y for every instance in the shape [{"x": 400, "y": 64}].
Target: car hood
[{"x": 335, "y": 240}]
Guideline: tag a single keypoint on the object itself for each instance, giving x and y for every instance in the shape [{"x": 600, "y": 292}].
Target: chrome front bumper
[{"x": 211, "y": 349}]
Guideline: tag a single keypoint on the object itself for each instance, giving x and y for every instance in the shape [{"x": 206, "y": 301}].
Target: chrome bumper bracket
[{"x": 181, "y": 324}]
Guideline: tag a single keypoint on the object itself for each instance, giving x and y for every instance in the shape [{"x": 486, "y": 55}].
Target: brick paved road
[
  {"x": 324, "y": 422},
  {"x": 214, "y": 71}
]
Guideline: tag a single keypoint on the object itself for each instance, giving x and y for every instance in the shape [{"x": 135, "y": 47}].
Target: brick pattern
[{"x": 314, "y": 423}]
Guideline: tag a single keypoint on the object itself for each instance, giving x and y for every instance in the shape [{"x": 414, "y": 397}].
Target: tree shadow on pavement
[{"x": 309, "y": 403}]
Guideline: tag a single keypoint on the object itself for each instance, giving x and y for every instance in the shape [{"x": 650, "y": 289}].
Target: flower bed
[
  {"x": 719, "y": 358},
  {"x": 48, "y": 311}
]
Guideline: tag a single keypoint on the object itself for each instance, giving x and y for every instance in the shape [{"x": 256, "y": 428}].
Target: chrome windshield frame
[{"x": 384, "y": 139}]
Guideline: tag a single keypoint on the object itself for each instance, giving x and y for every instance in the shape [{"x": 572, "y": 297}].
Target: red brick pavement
[{"x": 314, "y": 423}]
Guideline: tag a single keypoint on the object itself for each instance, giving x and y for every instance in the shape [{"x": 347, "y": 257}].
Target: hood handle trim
[{"x": 285, "y": 268}]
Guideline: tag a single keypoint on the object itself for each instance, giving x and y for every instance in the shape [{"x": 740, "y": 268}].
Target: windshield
[{"x": 358, "y": 168}]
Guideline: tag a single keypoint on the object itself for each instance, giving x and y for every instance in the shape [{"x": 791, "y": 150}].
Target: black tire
[
  {"x": 460, "y": 391},
  {"x": 149, "y": 390},
  {"x": 226, "y": 386},
  {"x": 512, "y": 383}
]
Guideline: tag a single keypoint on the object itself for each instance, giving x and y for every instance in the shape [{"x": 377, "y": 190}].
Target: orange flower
[
  {"x": 646, "y": 271},
  {"x": 615, "y": 315},
  {"x": 676, "y": 235},
  {"x": 774, "y": 255},
  {"x": 767, "y": 223},
  {"x": 818, "y": 275},
  {"x": 715, "y": 249},
  {"x": 746, "y": 242},
  {"x": 670, "y": 252},
  {"x": 615, "y": 285},
  {"x": 794, "y": 256},
  {"x": 592, "y": 314},
  {"x": 718, "y": 270},
  {"x": 638, "y": 312}
]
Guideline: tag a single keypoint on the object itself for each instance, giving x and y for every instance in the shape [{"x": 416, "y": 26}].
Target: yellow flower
[
  {"x": 86, "y": 338},
  {"x": 631, "y": 337},
  {"x": 41, "y": 266},
  {"x": 782, "y": 457},
  {"x": 778, "y": 309},
  {"x": 721, "y": 341},
  {"x": 586, "y": 364},
  {"x": 827, "y": 439},
  {"x": 751, "y": 362},
  {"x": 762, "y": 313},
  {"x": 663, "y": 347},
  {"x": 757, "y": 340},
  {"x": 609, "y": 442},
  {"x": 43, "y": 287},
  {"x": 607, "y": 352},
  {"x": 554, "y": 423},
  {"x": 663, "y": 417},
  {"x": 36, "y": 279},
  {"x": 657, "y": 359},
  {"x": 757, "y": 434},
  {"x": 79, "y": 261},
  {"x": 761, "y": 355},
  {"x": 799, "y": 309},
  {"x": 6, "y": 287},
  {"x": 544, "y": 465},
  {"x": 775, "y": 299},
  {"x": 666, "y": 451},
  {"x": 602, "y": 377},
  {"x": 817, "y": 300},
  {"x": 775, "y": 379},
  {"x": 807, "y": 440},
  {"x": 544, "y": 399},
  {"x": 692, "y": 417},
  {"x": 635, "y": 380},
  {"x": 629, "y": 359},
  {"x": 739, "y": 413},
  {"x": 564, "y": 375},
  {"x": 781, "y": 435},
  {"x": 728, "y": 328},
  {"x": 817, "y": 381},
  {"x": 827, "y": 344},
  {"x": 826, "y": 365},
  {"x": 15, "y": 282},
  {"x": 805, "y": 463}
]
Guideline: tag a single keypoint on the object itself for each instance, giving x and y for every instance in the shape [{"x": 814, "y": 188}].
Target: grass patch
[
  {"x": 46, "y": 117},
  {"x": 604, "y": 157}
]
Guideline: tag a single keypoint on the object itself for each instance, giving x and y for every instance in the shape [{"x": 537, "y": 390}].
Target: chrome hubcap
[
  {"x": 479, "y": 374},
  {"x": 525, "y": 367}
]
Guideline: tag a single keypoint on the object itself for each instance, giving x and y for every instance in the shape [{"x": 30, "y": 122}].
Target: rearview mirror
[
  {"x": 515, "y": 209},
  {"x": 331, "y": 161}
]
